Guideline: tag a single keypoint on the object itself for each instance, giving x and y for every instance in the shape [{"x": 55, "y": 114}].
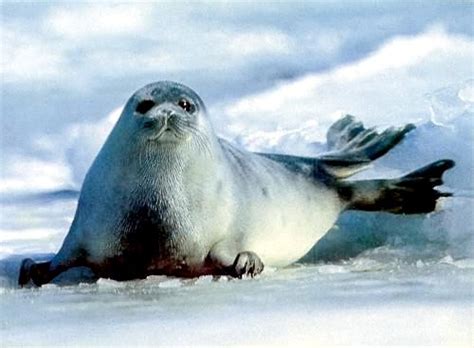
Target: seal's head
[{"x": 166, "y": 113}]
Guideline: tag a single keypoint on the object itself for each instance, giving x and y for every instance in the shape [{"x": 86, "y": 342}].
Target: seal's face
[{"x": 167, "y": 112}]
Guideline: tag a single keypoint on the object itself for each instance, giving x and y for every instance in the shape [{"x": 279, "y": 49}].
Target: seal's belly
[
  {"x": 282, "y": 212},
  {"x": 283, "y": 225}
]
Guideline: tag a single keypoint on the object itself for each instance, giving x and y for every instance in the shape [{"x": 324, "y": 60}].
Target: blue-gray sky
[{"x": 62, "y": 63}]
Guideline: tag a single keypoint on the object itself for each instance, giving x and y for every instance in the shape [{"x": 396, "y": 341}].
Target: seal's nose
[
  {"x": 158, "y": 117},
  {"x": 160, "y": 113},
  {"x": 161, "y": 116}
]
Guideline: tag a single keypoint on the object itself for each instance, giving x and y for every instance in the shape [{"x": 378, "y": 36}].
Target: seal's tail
[{"x": 413, "y": 193}]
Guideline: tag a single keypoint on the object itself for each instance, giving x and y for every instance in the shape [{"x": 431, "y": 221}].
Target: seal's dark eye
[
  {"x": 186, "y": 105},
  {"x": 144, "y": 106}
]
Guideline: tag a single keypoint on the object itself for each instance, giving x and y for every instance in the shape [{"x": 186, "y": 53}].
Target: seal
[{"x": 165, "y": 195}]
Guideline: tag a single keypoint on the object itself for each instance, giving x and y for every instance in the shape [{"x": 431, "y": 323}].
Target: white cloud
[
  {"x": 81, "y": 43},
  {"x": 328, "y": 41},
  {"x": 33, "y": 54},
  {"x": 98, "y": 20},
  {"x": 61, "y": 160},
  {"x": 88, "y": 41},
  {"x": 30, "y": 174},
  {"x": 28, "y": 58},
  {"x": 82, "y": 141},
  {"x": 258, "y": 43},
  {"x": 78, "y": 144},
  {"x": 402, "y": 52},
  {"x": 386, "y": 87}
]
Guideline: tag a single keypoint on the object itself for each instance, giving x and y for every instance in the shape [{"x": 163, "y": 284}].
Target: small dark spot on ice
[{"x": 265, "y": 191}]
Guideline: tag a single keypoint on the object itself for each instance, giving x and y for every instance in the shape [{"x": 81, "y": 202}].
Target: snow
[
  {"x": 305, "y": 304},
  {"x": 374, "y": 279}
]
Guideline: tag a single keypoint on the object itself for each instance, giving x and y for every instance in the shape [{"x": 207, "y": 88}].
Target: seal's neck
[
  {"x": 145, "y": 167},
  {"x": 170, "y": 167},
  {"x": 161, "y": 161}
]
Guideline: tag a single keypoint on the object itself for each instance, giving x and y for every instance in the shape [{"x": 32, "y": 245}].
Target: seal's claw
[
  {"x": 247, "y": 263},
  {"x": 25, "y": 272}
]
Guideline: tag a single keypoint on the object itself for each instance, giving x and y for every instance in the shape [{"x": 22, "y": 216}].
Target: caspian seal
[{"x": 165, "y": 195}]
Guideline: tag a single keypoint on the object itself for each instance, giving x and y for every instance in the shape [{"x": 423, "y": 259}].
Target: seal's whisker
[{"x": 181, "y": 126}]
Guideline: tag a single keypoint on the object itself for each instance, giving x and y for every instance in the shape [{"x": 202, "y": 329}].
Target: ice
[
  {"x": 172, "y": 283},
  {"x": 448, "y": 103},
  {"x": 330, "y": 269},
  {"x": 374, "y": 279},
  {"x": 466, "y": 93},
  {"x": 203, "y": 280},
  {"x": 299, "y": 304}
]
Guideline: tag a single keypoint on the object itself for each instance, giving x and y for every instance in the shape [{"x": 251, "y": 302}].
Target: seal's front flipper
[
  {"x": 413, "y": 193},
  {"x": 25, "y": 274},
  {"x": 222, "y": 261},
  {"x": 35, "y": 273},
  {"x": 39, "y": 273},
  {"x": 247, "y": 263}
]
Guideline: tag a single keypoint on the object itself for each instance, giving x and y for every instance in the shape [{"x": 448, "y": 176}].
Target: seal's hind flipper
[
  {"x": 353, "y": 146},
  {"x": 413, "y": 193}
]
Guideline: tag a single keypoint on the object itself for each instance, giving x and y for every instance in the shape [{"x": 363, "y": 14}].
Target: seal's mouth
[
  {"x": 166, "y": 126},
  {"x": 164, "y": 132}
]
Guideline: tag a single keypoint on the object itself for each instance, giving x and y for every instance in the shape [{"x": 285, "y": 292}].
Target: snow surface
[
  {"x": 375, "y": 279},
  {"x": 364, "y": 301}
]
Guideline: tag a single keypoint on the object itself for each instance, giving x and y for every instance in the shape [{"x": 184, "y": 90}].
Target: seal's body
[{"x": 167, "y": 196}]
